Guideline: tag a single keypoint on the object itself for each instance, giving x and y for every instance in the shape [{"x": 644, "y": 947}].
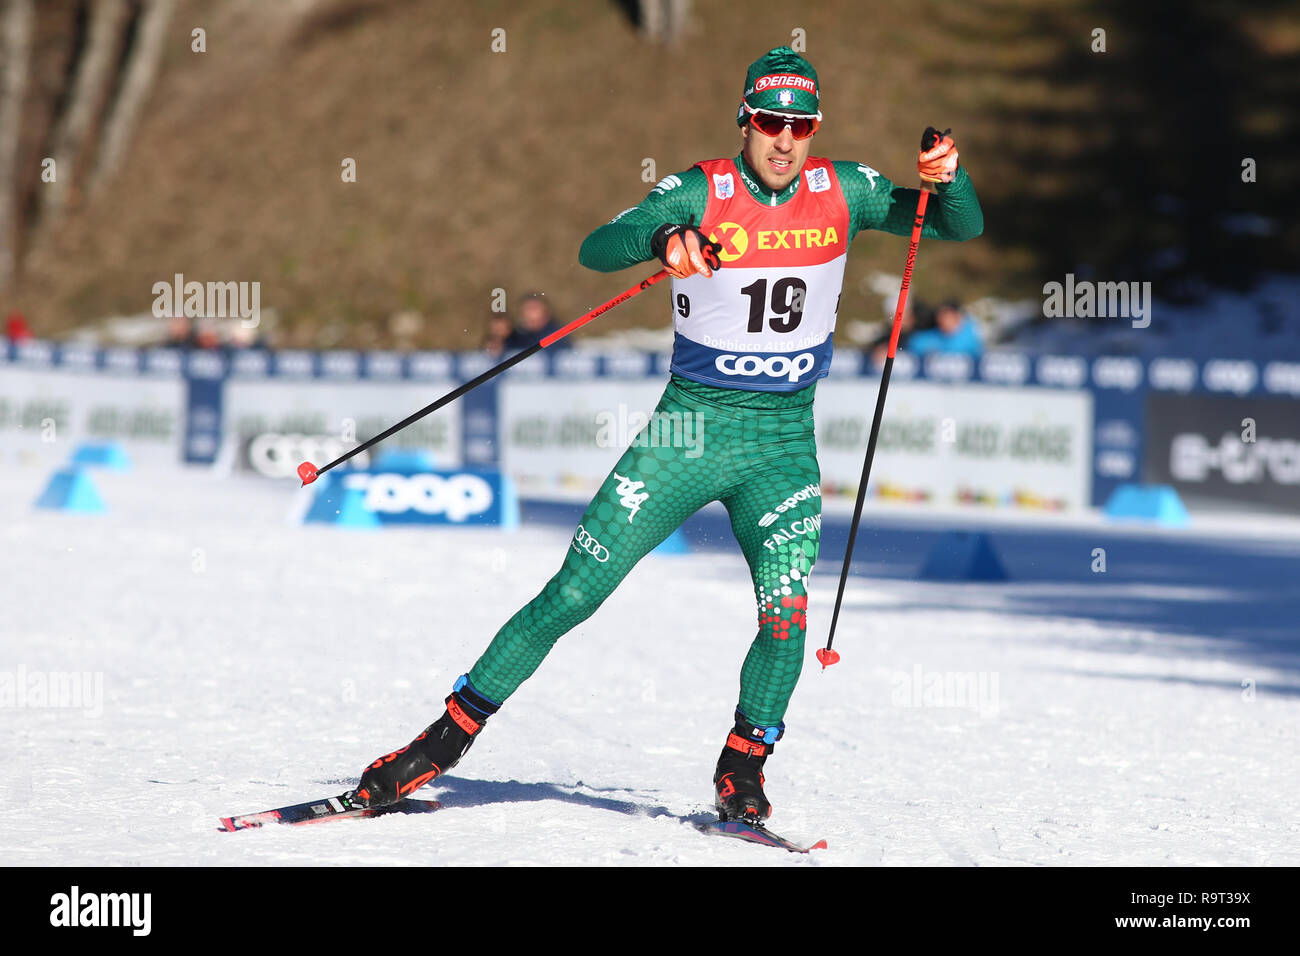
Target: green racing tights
[{"x": 753, "y": 451}]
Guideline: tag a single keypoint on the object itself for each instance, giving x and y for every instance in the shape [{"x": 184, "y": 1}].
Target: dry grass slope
[{"x": 479, "y": 170}]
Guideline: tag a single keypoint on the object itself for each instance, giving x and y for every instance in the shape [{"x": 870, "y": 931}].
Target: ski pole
[
  {"x": 825, "y": 655},
  {"x": 309, "y": 472}
]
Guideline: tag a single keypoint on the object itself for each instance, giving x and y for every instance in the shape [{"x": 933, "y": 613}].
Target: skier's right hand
[{"x": 684, "y": 251}]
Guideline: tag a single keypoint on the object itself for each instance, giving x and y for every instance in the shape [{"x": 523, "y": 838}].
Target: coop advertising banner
[
  {"x": 1221, "y": 447},
  {"x": 57, "y": 408},
  {"x": 275, "y": 424},
  {"x": 940, "y": 444}
]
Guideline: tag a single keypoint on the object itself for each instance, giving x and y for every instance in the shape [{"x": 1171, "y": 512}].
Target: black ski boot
[
  {"x": 738, "y": 781},
  {"x": 402, "y": 772}
]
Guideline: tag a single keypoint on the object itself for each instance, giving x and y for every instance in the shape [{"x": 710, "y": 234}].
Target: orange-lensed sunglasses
[{"x": 770, "y": 123}]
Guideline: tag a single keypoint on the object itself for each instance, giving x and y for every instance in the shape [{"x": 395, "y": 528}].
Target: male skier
[{"x": 756, "y": 246}]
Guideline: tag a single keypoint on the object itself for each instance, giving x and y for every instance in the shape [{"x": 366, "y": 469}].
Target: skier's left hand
[{"x": 937, "y": 160}]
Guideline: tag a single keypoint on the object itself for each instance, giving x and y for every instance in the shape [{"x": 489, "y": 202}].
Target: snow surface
[{"x": 247, "y": 664}]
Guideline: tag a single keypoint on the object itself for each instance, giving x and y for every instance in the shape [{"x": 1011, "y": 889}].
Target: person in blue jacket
[{"x": 954, "y": 332}]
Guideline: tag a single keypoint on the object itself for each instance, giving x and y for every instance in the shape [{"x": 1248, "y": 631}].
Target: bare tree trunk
[
  {"x": 15, "y": 49},
  {"x": 94, "y": 78},
  {"x": 664, "y": 21},
  {"x": 679, "y": 11},
  {"x": 653, "y": 18},
  {"x": 145, "y": 58}
]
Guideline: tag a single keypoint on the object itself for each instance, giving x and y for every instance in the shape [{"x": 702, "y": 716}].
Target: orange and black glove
[
  {"x": 937, "y": 161},
  {"x": 685, "y": 251}
]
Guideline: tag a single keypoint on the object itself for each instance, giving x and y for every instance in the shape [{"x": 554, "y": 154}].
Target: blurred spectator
[
  {"x": 180, "y": 333},
  {"x": 497, "y": 334},
  {"x": 535, "y": 322},
  {"x": 954, "y": 331},
  {"x": 405, "y": 328},
  {"x": 246, "y": 336},
  {"x": 207, "y": 334},
  {"x": 16, "y": 328}
]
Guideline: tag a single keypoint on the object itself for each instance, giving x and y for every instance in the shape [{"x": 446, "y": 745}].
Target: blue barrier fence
[{"x": 1119, "y": 385}]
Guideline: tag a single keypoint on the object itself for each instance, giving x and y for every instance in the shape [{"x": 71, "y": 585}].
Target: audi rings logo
[
  {"x": 582, "y": 541},
  {"x": 276, "y": 454},
  {"x": 777, "y": 366}
]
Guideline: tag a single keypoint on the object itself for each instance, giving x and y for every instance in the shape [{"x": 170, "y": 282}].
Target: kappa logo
[
  {"x": 583, "y": 541},
  {"x": 724, "y": 185},
  {"x": 819, "y": 180},
  {"x": 791, "y": 368},
  {"x": 732, "y": 240},
  {"x": 630, "y": 495}
]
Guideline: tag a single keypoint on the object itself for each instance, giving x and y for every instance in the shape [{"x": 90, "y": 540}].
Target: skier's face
[{"x": 777, "y": 159}]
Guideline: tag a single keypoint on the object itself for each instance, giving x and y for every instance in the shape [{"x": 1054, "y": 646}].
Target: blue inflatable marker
[
  {"x": 675, "y": 543},
  {"x": 963, "y": 556},
  {"x": 404, "y": 459},
  {"x": 1159, "y": 504},
  {"x": 72, "y": 490},
  {"x": 102, "y": 454}
]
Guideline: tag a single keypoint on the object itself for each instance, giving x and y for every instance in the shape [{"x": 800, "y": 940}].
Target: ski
[
  {"x": 320, "y": 811},
  {"x": 756, "y": 833}
]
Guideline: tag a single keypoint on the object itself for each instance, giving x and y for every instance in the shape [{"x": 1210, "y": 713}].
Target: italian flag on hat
[{"x": 781, "y": 81}]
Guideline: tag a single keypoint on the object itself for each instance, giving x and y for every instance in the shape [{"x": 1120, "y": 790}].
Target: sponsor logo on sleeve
[
  {"x": 870, "y": 173},
  {"x": 667, "y": 183}
]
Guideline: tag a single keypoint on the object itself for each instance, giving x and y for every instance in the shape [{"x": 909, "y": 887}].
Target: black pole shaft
[
  {"x": 495, "y": 370},
  {"x": 862, "y": 494},
  {"x": 917, "y": 222}
]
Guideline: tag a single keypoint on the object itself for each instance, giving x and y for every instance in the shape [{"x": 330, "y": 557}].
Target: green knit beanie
[{"x": 779, "y": 80}]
